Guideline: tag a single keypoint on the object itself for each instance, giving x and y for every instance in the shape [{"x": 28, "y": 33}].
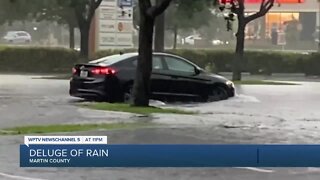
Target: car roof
[
  {"x": 132, "y": 54},
  {"x": 154, "y": 53},
  {"x": 106, "y": 61},
  {"x": 17, "y": 32}
]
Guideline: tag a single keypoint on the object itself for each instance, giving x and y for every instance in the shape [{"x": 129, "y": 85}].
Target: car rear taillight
[
  {"x": 103, "y": 71},
  {"x": 74, "y": 70}
]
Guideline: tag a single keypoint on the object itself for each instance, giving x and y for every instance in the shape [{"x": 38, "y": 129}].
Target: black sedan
[{"x": 173, "y": 78}]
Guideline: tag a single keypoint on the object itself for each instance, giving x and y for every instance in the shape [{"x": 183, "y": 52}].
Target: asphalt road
[{"x": 259, "y": 114}]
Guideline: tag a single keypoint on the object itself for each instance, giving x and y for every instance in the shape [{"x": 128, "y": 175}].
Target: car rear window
[{"x": 109, "y": 60}]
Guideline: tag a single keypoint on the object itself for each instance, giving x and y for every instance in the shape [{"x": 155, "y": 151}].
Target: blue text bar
[{"x": 170, "y": 156}]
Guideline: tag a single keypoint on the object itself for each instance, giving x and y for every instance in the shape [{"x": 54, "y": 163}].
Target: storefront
[{"x": 295, "y": 15}]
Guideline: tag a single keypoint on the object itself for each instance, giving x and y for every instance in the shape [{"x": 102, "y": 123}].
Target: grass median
[
  {"x": 67, "y": 128},
  {"x": 136, "y": 110}
]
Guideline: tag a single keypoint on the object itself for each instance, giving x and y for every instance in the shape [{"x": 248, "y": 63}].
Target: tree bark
[
  {"x": 175, "y": 36},
  {"x": 84, "y": 44},
  {"x": 239, "y": 54},
  {"x": 141, "y": 87},
  {"x": 84, "y": 20},
  {"x": 148, "y": 13},
  {"x": 71, "y": 37},
  {"x": 159, "y": 33}
]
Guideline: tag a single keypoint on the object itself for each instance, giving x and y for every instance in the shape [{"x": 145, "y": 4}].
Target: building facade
[
  {"x": 299, "y": 15},
  {"x": 112, "y": 26}
]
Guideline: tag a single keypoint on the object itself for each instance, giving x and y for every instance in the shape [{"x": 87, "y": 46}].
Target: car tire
[{"x": 218, "y": 93}]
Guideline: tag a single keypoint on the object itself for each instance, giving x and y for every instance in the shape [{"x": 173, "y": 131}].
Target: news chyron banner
[
  {"x": 94, "y": 151},
  {"x": 63, "y": 151}
]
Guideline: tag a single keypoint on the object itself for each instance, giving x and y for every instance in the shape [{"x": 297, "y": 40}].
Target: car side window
[
  {"x": 156, "y": 63},
  {"x": 179, "y": 65},
  {"x": 21, "y": 34}
]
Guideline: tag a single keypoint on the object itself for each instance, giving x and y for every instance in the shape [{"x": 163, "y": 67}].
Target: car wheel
[
  {"x": 127, "y": 95},
  {"x": 218, "y": 93}
]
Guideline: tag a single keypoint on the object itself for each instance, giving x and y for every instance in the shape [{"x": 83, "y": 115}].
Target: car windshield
[{"x": 109, "y": 60}]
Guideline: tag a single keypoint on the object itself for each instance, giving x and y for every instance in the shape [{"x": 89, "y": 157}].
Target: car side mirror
[{"x": 196, "y": 71}]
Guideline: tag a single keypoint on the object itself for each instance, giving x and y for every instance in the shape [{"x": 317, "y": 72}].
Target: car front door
[
  {"x": 19, "y": 38},
  {"x": 184, "y": 80},
  {"x": 15, "y": 38}
]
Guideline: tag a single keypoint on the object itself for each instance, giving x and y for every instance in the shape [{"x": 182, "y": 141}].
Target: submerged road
[{"x": 259, "y": 114}]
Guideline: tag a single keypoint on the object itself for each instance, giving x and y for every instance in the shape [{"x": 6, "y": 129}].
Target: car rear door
[{"x": 160, "y": 80}]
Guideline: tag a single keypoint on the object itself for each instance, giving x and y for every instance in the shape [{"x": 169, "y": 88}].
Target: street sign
[
  {"x": 125, "y": 3},
  {"x": 115, "y": 25}
]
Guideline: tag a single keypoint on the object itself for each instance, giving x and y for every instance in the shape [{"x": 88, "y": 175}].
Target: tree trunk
[
  {"x": 84, "y": 44},
  {"x": 239, "y": 54},
  {"x": 175, "y": 36},
  {"x": 141, "y": 87},
  {"x": 71, "y": 37},
  {"x": 159, "y": 33}
]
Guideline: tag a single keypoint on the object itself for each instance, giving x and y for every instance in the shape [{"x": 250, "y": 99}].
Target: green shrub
[
  {"x": 255, "y": 62},
  {"x": 222, "y": 59},
  {"x": 104, "y": 53},
  {"x": 59, "y": 60},
  {"x": 37, "y": 60},
  {"x": 312, "y": 64},
  {"x": 211, "y": 68}
]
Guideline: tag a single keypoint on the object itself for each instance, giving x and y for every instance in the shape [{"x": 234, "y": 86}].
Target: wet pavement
[
  {"x": 28, "y": 100},
  {"x": 258, "y": 114}
]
